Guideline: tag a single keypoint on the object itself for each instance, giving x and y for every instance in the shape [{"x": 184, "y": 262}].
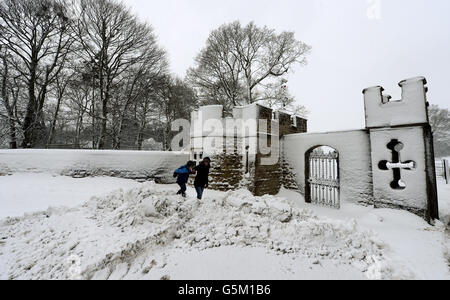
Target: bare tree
[
  {"x": 8, "y": 103},
  {"x": 61, "y": 84},
  {"x": 77, "y": 103},
  {"x": 175, "y": 100},
  {"x": 217, "y": 75},
  {"x": 134, "y": 86},
  {"x": 237, "y": 57},
  {"x": 142, "y": 113},
  {"x": 440, "y": 124},
  {"x": 11, "y": 94},
  {"x": 36, "y": 33},
  {"x": 278, "y": 97},
  {"x": 114, "y": 40}
]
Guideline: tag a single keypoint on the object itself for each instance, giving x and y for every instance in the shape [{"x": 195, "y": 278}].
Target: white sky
[{"x": 351, "y": 51}]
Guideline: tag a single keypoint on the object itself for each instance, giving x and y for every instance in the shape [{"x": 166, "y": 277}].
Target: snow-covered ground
[
  {"x": 143, "y": 231},
  {"x": 27, "y": 193}
]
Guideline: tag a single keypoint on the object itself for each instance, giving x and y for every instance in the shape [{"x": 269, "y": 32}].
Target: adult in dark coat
[{"x": 202, "y": 180}]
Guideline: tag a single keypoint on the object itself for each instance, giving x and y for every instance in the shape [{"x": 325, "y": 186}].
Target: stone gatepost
[{"x": 401, "y": 139}]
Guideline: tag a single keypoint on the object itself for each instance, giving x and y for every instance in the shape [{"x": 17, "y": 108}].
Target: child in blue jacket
[{"x": 183, "y": 174}]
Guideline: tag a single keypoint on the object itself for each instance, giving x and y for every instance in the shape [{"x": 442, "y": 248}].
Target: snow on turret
[{"x": 382, "y": 111}]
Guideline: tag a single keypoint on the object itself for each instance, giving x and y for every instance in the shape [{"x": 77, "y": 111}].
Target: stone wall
[
  {"x": 270, "y": 178},
  {"x": 354, "y": 161},
  {"x": 227, "y": 170},
  {"x": 138, "y": 165},
  {"x": 267, "y": 178},
  {"x": 433, "y": 203},
  {"x": 239, "y": 164},
  {"x": 288, "y": 173},
  {"x": 402, "y": 149},
  {"x": 287, "y": 125}
]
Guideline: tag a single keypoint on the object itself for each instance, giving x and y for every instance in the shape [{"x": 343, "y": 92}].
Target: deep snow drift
[
  {"x": 118, "y": 236},
  {"x": 148, "y": 233}
]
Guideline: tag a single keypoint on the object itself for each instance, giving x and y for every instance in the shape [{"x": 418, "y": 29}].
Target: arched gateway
[{"x": 322, "y": 177}]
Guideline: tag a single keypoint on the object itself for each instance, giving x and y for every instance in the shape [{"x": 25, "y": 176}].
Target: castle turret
[
  {"x": 402, "y": 148},
  {"x": 382, "y": 111}
]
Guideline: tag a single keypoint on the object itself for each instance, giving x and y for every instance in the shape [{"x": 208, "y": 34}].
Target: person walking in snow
[
  {"x": 182, "y": 174},
  {"x": 202, "y": 179}
]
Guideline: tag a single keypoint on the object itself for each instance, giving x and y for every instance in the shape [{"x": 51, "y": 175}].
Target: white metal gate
[
  {"x": 323, "y": 187},
  {"x": 443, "y": 170}
]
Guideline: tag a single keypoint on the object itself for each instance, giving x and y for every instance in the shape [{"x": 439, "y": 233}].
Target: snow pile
[
  {"x": 117, "y": 235},
  {"x": 237, "y": 219}
]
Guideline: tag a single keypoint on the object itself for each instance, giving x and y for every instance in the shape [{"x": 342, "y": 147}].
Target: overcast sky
[{"x": 356, "y": 44}]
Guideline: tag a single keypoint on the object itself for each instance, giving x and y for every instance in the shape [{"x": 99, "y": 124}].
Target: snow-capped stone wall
[
  {"x": 414, "y": 193},
  {"x": 402, "y": 148},
  {"x": 382, "y": 111},
  {"x": 354, "y": 160},
  {"x": 270, "y": 178},
  {"x": 139, "y": 165}
]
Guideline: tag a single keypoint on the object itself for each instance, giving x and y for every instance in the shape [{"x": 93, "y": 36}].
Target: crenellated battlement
[
  {"x": 382, "y": 111},
  {"x": 206, "y": 118}
]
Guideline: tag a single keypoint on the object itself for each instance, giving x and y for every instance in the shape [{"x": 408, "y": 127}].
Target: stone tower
[
  {"x": 234, "y": 144},
  {"x": 401, "y": 141}
]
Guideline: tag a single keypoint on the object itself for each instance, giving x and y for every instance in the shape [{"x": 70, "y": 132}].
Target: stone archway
[{"x": 322, "y": 177}]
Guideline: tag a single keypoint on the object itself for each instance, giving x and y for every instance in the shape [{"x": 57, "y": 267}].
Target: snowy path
[
  {"x": 147, "y": 233},
  {"x": 420, "y": 251}
]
